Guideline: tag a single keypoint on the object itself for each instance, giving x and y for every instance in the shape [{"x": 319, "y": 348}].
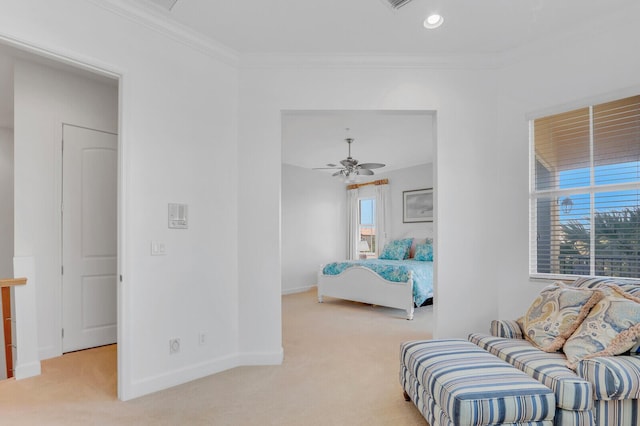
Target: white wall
[
  {"x": 417, "y": 177},
  {"x": 6, "y": 219},
  {"x": 44, "y": 99},
  {"x": 178, "y": 127},
  {"x": 551, "y": 77},
  {"x": 465, "y": 101},
  {"x": 6, "y": 206},
  {"x": 181, "y": 111},
  {"x": 313, "y": 225}
]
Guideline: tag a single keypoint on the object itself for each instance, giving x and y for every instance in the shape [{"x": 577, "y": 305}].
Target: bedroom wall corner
[
  {"x": 313, "y": 225},
  {"x": 410, "y": 178}
]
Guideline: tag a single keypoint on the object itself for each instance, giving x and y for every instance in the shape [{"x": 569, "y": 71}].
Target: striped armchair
[{"x": 602, "y": 391}]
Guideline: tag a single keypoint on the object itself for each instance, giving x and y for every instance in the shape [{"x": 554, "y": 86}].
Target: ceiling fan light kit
[{"x": 351, "y": 169}]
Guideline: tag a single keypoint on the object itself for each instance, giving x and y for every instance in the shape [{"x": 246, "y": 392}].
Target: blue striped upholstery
[
  {"x": 436, "y": 417},
  {"x": 469, "y": 386},
  {"x": 612, "y": 377},
  {"x": 574, "y": 418},
  {"x": 572, "y": 392},
  {"x": 506, "y": 328},
  {"x": 624, "y": 412},
  {"x": 604, "y": 391}
]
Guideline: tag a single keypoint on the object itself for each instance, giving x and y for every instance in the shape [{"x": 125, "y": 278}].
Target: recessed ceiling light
[{"x": 433, "y": 21}]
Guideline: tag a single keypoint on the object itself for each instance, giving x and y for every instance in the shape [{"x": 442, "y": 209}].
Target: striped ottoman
[{"x": 456, "y": 383}]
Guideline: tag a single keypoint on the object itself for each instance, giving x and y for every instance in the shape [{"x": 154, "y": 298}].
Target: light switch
[{"x": 158, "y": 248}]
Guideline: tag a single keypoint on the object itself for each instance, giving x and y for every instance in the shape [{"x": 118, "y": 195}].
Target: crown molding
[{"x": 159, "y": 20}]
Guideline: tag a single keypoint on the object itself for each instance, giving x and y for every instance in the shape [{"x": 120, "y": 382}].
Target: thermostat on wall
[{"x": 178, "y": 218}]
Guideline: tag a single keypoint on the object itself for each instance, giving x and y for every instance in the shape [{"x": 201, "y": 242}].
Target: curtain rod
[{"x": 375, "y": 182}]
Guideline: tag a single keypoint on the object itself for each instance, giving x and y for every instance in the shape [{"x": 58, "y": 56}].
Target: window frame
[
  {"x": 372, "y": 253},
  {"x": 557, "y": 193}
]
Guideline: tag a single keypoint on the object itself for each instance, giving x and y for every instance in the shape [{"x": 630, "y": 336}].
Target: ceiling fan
[{"x": 350, "y": 168}]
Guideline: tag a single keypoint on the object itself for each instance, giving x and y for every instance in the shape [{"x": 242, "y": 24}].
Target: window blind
[{"x": 585, "y": 191}]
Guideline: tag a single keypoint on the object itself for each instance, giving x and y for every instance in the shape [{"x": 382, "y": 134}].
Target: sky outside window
[
  {"x": 607, "y": 174},
  {"x": 367, "y": 211}
]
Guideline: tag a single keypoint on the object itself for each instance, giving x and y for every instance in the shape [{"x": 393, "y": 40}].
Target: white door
[{"x": 89, "y": 220}]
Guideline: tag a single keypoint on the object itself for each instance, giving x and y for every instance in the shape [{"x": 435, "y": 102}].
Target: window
[
  {"x": 585, "y": 191},
  {"x": 367, "y": 218},
  {"x": 367, "y": 227}
]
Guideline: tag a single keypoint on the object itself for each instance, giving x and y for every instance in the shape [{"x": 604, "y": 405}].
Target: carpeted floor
[{"x": 341, "y": 367}]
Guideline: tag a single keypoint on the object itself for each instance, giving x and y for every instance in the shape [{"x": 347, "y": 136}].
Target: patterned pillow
[
  {"x": 556, "y": 313},
  {"x": 611, "y": 328},
  {"x": 416, "y": 242},
  {"x": 424, "y": 252},
  {"x": 590, "y": 282},
  {"x": 396, "y": 249}
]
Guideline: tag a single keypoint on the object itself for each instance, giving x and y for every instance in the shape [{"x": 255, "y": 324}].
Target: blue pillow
[
  {"x": 397, "y": 249},
  {"x": 424, "y": 252}
]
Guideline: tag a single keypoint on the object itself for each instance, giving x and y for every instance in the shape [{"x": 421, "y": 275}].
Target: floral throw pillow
[
  {"x": 424, "y": 252},
  {"x": 611, "y": 328},
  {"x": 556, "y": 313},
  {"x": 396, "y": 249}
]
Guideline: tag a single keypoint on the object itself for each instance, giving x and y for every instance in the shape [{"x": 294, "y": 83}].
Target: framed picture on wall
[{"x": 417, "y": 205}]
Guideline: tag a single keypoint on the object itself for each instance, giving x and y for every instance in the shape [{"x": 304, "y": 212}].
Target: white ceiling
[
  {"x": 398, "y": 139},
  {"x": 471, "y": 27}
]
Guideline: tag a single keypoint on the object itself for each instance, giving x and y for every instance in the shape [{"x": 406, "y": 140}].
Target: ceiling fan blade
[
  {"x": 331, "y": 165},
  {"x": 371, "y": 165},
  {"x": 337, "y": 173},
  {"x": 327, "y": 168},
  {"x": 365, "y": 172}
]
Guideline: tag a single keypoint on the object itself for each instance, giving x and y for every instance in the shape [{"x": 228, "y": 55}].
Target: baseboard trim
[
  {"x": 24, "y": 371},
  {"x": 197, "y": 371}
]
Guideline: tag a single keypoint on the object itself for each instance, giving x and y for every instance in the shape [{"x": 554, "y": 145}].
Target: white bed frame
[{"x": 360, "y": 284}]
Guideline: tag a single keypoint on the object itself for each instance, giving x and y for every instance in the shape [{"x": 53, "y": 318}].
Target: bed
[{"x": 395, "y": 283}]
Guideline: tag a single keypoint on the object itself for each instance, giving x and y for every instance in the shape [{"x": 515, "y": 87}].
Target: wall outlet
[
  {"x": 202, "y": 339},
  {"x": 174, "y": 346}
]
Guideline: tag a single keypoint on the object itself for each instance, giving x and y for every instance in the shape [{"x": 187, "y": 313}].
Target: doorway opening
[
  {"x": 47, "y": 103},
  {"x": 314, "y": 202}
]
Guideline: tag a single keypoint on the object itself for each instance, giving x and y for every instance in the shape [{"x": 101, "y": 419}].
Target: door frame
[{"x": 90, "y": 64}]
